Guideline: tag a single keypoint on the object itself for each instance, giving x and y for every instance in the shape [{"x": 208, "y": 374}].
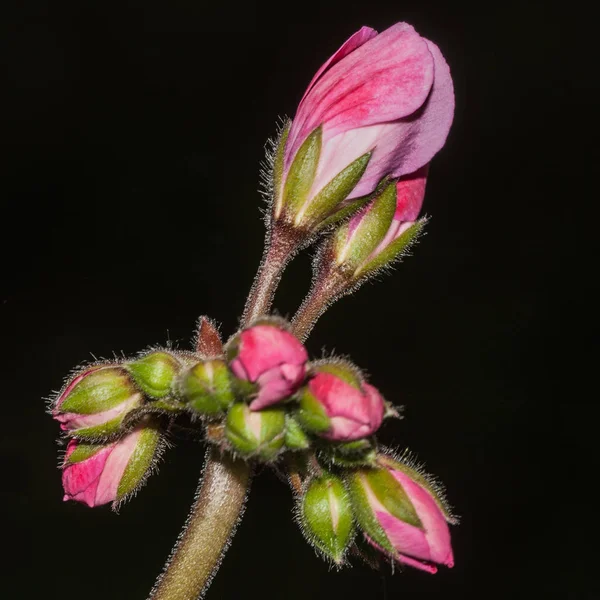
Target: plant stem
[
  {"x": 325, "y": 290},
  {"x": 279, "y": 250},
  {"x": 215, "y": 514}
]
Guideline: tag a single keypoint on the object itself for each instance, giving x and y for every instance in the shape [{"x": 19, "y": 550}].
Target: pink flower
[
  {"x": 339, "y": 410},
  {"x": 271, "y": 358},
  {"x": 99, "y": 474},
  {"x": 407, "y": 518},
  {"x": 95, "y": 402},
  {"x": 388, "y": 94}
]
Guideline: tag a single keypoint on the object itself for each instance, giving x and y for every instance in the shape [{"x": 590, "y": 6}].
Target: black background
[{"x": 133, "y": 135}]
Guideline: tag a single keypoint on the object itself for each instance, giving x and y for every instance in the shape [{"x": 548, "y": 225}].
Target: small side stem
[
  {"x": 218, "y": 507},
  {"x": 325, "y": 291},
  {"x": 278, "y": 253}
]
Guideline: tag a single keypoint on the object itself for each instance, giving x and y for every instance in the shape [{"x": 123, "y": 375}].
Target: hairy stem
[
  {"x": 214, "y": 516},
  {"x": 324, "y": 292},
  {"x": 278, "y": 253}
]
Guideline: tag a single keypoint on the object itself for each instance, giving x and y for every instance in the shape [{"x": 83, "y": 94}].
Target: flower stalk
[{"x": 218, "y": 508}]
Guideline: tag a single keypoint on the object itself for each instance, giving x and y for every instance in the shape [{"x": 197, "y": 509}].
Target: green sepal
[
  {"x": 326, "y": 516},
  {"x": 358, "y": 453},
  {"x": 140, "y": 461},
  {"x": 393, "y": 251},
  {"x": 100, "y": 431},
  {"x": 155, "y": 373},
  {"x": 242, "y": 426},
  {"x": 278, "y": 165},
  {"x": 420, "y": 479},
  {"x": 391, "y": 495},
  {"x": 98, "y": 391},
  {"x": 363, "y": 512},
  {"x": 335, "y": 192},
  {"x": 301, "y": 175},
  {"x": 344, "y": 370},
  {"x": 83, "y": 452},
  {"x": 345, "y": 211},
  {"x": 207, "y": 387},
  {"x": 295, "y": 438},
  {"x": 353, "y": 249},
  {"x": 311, "y": 413}
]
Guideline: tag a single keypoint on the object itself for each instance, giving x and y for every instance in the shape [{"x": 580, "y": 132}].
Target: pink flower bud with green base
[
  {"x": 268, "y": 358},
  {"x": 403, "y": 514},
  {"x": 206, "y": 387},
  {"x": 255, "y": 434},
  {"x": 94, "y": 404},
  {"x": 96, "y": 474},
  {"x": 155, "y": 372},
  {"x": 325, "y": 517},
  {"x": 381, "y": 106},
  {"x": 380, "y": 234},
  {"x": 337, "y": 405}
]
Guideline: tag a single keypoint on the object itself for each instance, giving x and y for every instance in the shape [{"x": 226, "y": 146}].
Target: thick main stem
[
  {"x": 218, "y": 507},
  {"x": 278, "y": 253}
]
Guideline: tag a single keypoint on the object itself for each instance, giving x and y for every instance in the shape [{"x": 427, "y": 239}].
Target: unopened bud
[
  {"x": 269, "y": 361},
  {"x": 206, "y": 387},
  {"x": 255, "y": 433},
  {"x": 97, "y": 474},
  {"x": 326, "y": 517},
  {"x": 94, "y": 404},
  {"x": 402, "y": 514},
  {"x": 155, "y": 373},
  {"x": 337, "y": 405}
]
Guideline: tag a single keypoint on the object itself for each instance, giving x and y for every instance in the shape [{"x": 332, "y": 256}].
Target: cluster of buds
[
  {"x": 400, "y": 511},
  {"x": 353, "y": 163},
  {"x": 111, "y": 413}
]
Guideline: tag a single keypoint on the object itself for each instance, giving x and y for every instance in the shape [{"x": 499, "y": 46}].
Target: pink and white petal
[
  {"x": 387, "y": 78},
  {"x": 115, "y": 466},
  {"x": 410, "y": 192},
  {"x": 432, "y": 518},
  {"x": 345, "y": 429}
]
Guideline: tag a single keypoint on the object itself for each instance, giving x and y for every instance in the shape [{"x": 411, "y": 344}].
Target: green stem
[{"x": 212, "y": 522}]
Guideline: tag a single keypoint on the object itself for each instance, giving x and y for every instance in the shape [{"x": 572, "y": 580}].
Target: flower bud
[
  {"x": 326, "y": 517},
  {"x": 402, "y": 514},
  {"x": 96, "y": 474},
  {"x": 380, "y": 107},
  {"x": 382, "y": 231},
  {"x": 155, "y": 372},
  {"x": 337, "y": 405},
  {"x": 95, "y": 402},
  {"x": 206, "y": 387},
  {"x": 271, "y": 359},
  {"x": 251, "y": 433}
]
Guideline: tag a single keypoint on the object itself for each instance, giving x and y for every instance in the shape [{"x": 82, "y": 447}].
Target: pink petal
[
  {"x": 357, "y": 39},
  {"x": 423, "y": 566},
  {"x": 385, "y": 79},
  {"x": 275, "y": 385},
  {"x": 71, "y": 421},
  {"x": 263, "y": 347},
  {"x": 115, "y": 467},
  {"x": 433, "y": 520},
  {"x": 80, "y": 480},
  {"x": 407, "y": 539}
]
